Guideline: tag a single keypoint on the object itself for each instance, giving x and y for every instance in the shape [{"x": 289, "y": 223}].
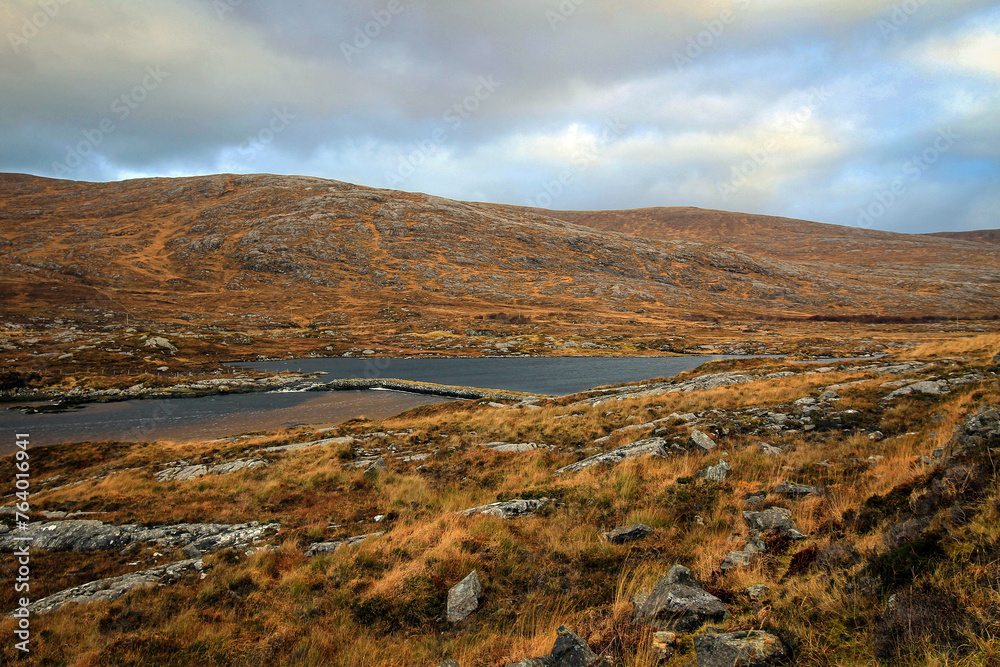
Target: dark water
[
  {"x": 547, "y": 375},
  {"x": 201, "y": 418},
  {"x": 220, "y": 416}
]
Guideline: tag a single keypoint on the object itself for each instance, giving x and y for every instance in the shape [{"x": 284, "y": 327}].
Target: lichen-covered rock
[
  {"x": 463, "y": 598},
  {"x": 647, "y": 447},
  {"x": 790, "y": 489},
  {"x": 716, "y": 473},
  {"x": 747, "y": 648},
  {"x": 185, "y": 473},
  {"x": 680, "y": 606},
  {"x": 105, "y": 590},
  {"x": 701, "y": 440},
  {"x": 508, "y": 509},
  {"x": 88, "y": 535},
  {"x": 317, "y": 548},
  {"x": 773, "y": 518}
]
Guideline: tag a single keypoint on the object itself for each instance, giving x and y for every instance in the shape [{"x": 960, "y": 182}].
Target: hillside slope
[{"x": 262, "y": 250}]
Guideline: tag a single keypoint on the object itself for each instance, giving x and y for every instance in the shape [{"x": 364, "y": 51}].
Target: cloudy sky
[{"x": 879, "y": 113}]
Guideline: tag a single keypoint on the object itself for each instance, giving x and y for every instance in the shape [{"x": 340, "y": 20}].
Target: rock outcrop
[
  {"x": 647, "y": 447},
  {"x": 185, "y": 473},
  {"x": 508, "y": 509},
  {"x": 678, "y": 602},
  {"x": 87, "y": 535},
  {"x": 747, "y": 648},
  {"x": 104, "y": 590}
]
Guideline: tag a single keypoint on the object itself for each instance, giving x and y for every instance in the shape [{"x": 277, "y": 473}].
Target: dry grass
[{"x": 372, "y": 603}]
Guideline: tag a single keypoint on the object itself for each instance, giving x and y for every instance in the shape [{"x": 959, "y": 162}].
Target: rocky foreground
[{"x": 756, "y": 513}]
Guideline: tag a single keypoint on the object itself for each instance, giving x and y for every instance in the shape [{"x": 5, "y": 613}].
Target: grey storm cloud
[{"x": 803, "y": 109}]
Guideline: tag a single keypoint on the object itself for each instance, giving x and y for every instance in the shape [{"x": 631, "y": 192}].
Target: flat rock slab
[
  {"x": 790, "y": 489},
  {"x": 748, "y": 648},
  {"x": 110, "y": 589},
  {"x": 647, "y": 447},
  {"x": 86, "y": 535},
  {"x": 185, "y": 473},
  {"x": 508, "y": 509},
  {"x": 346, "y": 440},
  {"x": 463, "y": 598},
  {"x": 701, "y": 440},
  {"x": 631, "y": 533},
  {"x": 932, "y": 387},
  {"x": 317, "y": 548},
  {"x": 513, "y": 447}
]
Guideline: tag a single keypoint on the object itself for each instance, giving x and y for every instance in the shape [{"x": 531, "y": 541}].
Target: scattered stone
[
  {"x": 568, "y": 651},
  {"x": 317, "y": 548},
  {"x": 747, "y": 648},
  {"x": 757, "y": 591},
  {"x": 769, "y": 450},
  {"x": 628, "y": 534},
  {"x": 744, "y": 556},
  {"x": 716, "y": 473},
  {"x": 932, "y": 387},
  {"x": 450, "y": 663},
  {"x": 702, "y": 440},
  {"x": 789, "y": 489},
  {"x": 346, "y": 440},
  {"x": 676, "y": 604},
  {"x": 463, "y": 598},
  {"x": 981, "y": 426},
  {"x": 508, "y": 509},
  {"x": 807, "y": 400},
  {"x": 161, "y": 343},
  {"x": 649, "y": 446},
  {"x": 186, "y": 473},
  {"x": 113, "y": 588},
  {"x": 773, "y": 518},
  {"x": 513, "y": 447},
  {"x": 376, "y": 468}
]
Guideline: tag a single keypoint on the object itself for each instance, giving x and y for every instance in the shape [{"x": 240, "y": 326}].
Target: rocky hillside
[
  {"x": 752, "y": 512},
  {"x": 266, "y": 250}
]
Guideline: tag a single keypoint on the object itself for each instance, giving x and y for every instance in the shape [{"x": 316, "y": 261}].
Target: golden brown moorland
[{"x": 899, "y": 506}]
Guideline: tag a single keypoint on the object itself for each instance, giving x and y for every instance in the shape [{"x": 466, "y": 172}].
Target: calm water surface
[{"x": 221, "y": 416}]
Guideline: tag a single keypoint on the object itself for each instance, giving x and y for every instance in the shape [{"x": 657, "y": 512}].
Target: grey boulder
[
  {"x": 569, "y": 651},
  {"x": 716, "y": 473},
  {"x": 463, "y": 598},
  {"x": 628, "y": 533},
  {"x": 701, "y": 440},
  {"x": 680, "y": 606}
]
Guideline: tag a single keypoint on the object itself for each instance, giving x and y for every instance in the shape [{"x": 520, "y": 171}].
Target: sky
[{"x": 871, "y": 113}]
